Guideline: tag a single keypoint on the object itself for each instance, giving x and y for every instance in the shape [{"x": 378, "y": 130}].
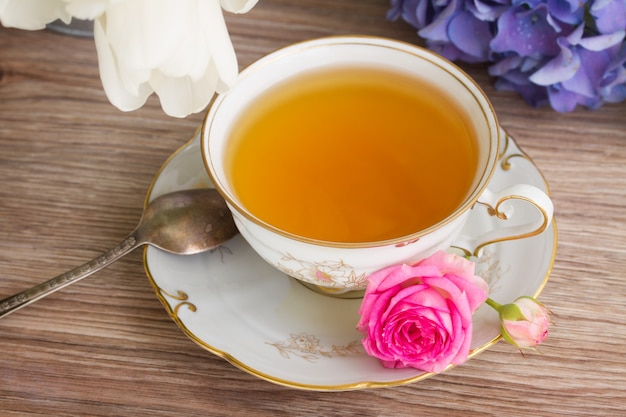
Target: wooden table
[{"x": 74, "y": 172}]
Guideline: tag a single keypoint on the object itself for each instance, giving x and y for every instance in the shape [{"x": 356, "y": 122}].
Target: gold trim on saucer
[
  {"x": 180, "y": 296},
  {"x": 163, "y": 295}
]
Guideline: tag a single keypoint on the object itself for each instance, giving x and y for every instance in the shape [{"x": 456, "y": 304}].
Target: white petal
[
  {"x": 190, "y": 54},
  {"x": 220, "y": 46},
  {"x": 179, "y": 49},
  {"x": 144, "y": 34},
  {"x": 181, "y": 96},
  {"x": 162, "y": 24},
  {"x": 190, "y": 58},
  {"x": 122, "y": 26},
  {"x": 238, "y": 6},
  {"x": 123, "y": 33},
  {"x": 113, "y": 85},
  {"x": 86, "y": 9},
  {"x": 32, "y": 14}
]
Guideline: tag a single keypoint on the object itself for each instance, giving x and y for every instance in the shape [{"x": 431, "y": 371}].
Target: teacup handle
[{"x": 496, "y": 203}]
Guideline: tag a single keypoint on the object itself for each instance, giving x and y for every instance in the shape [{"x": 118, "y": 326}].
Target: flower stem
[{"x": 493, "y": 304}]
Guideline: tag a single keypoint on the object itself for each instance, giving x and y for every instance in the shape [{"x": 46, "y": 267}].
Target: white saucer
[{"x": 238, "y": 307}]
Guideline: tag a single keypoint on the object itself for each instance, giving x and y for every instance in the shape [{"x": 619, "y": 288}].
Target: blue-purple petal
[
  {"x": 449, "y": 51},
  {"x": 616, "y": 94},
  {"x": 567, "y": 11},
  {"x": 609, "y": 15},
  {"x": 534, "y": 95},
  {"x": 587, "y": 79},
  {"x": 613, "y": 84},
  {"x": 602, "y": 42},
  {"x": 561, "y": 68},
  {"x": 619, "y": 58},
  {"x": 395, "y": 11},
  {"x": 470, "y": 35},
  {"x": 562, "y": 100},
  {"x": 525, "y": 32},
  {"x": 422, "y": 15},
  {"x": 438, "y": 29},
  {"x": 565, "y": 53},
  {"x": 505, "y": 65},
  {"x": 485, "y": 10}
]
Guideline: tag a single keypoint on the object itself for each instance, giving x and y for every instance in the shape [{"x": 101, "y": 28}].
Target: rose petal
[
  {"x": 421, "y": 316},
  {"x": 392, "y": 276},
  {"x": 449, "y": 263}
]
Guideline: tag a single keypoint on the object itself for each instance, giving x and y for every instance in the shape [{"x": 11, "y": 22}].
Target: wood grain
[{"x": 73, "y": 176}]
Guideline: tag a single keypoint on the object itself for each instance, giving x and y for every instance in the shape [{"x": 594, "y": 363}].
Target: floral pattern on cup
[{"x": 329, "y": 273}]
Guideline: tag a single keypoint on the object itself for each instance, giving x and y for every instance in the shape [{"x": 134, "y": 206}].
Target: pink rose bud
[{"x": 525, "y": 322}]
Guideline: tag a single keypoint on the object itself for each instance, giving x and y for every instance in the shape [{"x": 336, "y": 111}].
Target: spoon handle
[{"x": 19, "y": 300}]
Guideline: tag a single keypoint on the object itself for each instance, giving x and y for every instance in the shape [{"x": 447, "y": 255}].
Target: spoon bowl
[
  {"x": 183, "y": 222},
  {"x": 186, "y": 222}
]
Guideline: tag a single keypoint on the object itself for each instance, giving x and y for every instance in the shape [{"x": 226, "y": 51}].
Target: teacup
[{"x": 337, "y": 263}]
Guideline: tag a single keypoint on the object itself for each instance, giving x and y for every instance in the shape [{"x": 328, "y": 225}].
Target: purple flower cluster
[{"x": 562, "y": 52}]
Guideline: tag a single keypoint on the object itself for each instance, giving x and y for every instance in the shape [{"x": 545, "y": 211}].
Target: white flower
[{"x": 179, "y": 49}]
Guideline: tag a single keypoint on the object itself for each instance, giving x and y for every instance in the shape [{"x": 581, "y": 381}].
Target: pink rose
[
  {"x": 421, "y": 316},
  {"x": 525, "y": 322}
]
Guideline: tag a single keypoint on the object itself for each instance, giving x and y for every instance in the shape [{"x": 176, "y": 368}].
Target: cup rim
[{"x": 452, "y": 69}]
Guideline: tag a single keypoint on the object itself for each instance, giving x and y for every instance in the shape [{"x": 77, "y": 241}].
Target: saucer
[{"x": 236, "y": 306}]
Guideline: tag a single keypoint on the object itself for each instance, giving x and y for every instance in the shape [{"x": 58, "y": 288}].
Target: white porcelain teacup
[{"x": 336, "y": 267}]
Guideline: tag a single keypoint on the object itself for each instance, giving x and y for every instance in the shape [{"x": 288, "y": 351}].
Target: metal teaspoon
[{"x": 183, "y": 222}]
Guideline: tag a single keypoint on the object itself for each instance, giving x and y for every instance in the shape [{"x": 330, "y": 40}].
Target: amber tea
[{"x": 352, "y": 155}]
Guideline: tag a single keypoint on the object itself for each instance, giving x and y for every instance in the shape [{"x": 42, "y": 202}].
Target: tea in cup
[{"x": 341, "y": 156}]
